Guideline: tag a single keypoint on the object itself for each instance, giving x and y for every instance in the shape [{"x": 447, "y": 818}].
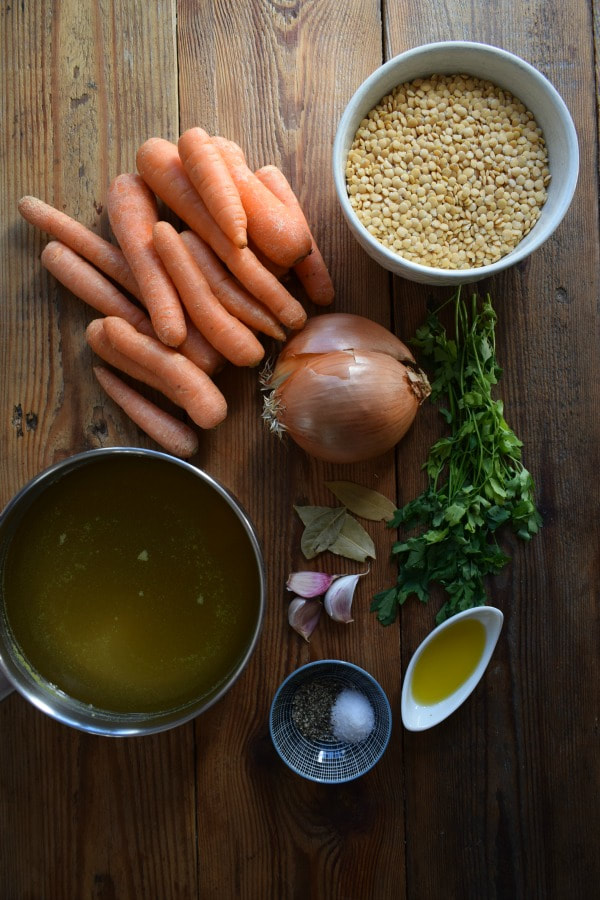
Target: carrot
[
  {"x": 83, "y": 280},
  {"x": 132, "y": 212},
  {"x": 104, "y": 255},
  {"x": 312, "y": 271},
  {"x": 173, "y": 435},
  {"x": 230, "y": 336},
  {"x": 274, "y": 231},
  {"x": 87, "y": 283},
  {"x": 97, "y": 339},
  {"x": 195, "y": 346},
  {"x": 210, "y": 176},
  {"x": 191, "y": 388},
  {"x": 200, "y": 351},
  {"x": 159, "y": 165},
  {"x": 232, "y": 295},
  {"x": 277, "y": 270}
]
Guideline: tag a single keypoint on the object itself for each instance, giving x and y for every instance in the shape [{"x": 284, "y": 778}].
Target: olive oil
[
  {"x": 132, "y": 586},
  {"x": 448, "y": 661}
]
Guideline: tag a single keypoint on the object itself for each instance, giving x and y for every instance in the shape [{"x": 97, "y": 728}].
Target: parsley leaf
[{"x": 476, "y": 480}]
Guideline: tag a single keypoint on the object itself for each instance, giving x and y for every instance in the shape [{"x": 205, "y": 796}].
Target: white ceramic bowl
[
  {"x": 504, "y": 70},
  {"x": 418, "y": 715}
]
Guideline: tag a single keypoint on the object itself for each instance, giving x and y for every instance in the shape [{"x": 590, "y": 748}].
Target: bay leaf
[
  {"x": 353, "y": 542},
  {"x": 309, "y": 513},
  {"x": 362, "y": 501},
  {"x": 322, "y": 530}
]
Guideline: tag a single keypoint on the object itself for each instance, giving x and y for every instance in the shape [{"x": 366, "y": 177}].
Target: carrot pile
[{"x": 177, "y": 305}]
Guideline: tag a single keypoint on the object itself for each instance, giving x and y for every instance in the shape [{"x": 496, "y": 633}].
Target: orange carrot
[
  {"x": 173, "y": 435},
  {"x": 193, "y": 389},
  {"x": 87, "y": 283},
  {"x": 210, "y": 176},
  {"x": 200, "y": 351},
  {"x": 97, "y": 339},
  {"x": 232, "y": 295},
  {"x": 104, "y": 255},
  {"x": 277, "y": 270},
  {"x": 132, "y": 212},
  {"x": 230, "y": 336},
  {"x": 312, "y": 271},
  {"x": 159, "y": 165},
  {"x": 195, "y": 346},
  {"x": 83, "y": 280},
  {"x": 274, "y": 231}
]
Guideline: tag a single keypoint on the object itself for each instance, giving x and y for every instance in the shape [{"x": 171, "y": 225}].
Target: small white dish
[{"x": 460, "y": 650}]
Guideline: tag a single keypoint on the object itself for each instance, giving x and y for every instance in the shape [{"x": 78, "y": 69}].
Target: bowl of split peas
[{"x": 453, "y": 161}]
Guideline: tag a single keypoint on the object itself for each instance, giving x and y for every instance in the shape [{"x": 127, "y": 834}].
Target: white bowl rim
[
  {"x": 520, "y": 252},
  {"x": 419, "y": 716}
]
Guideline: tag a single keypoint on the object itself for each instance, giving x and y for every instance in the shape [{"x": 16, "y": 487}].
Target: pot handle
[{"x": 6, "y": 686}]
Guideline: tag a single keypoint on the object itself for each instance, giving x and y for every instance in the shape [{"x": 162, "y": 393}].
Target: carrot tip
[{"x": 170, "y": 333}]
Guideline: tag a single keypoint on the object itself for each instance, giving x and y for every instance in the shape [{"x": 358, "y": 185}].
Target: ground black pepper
[{"x": 311, "y": 708}]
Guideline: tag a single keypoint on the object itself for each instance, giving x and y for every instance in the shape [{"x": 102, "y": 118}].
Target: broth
[{"x": 131, "y": 585}]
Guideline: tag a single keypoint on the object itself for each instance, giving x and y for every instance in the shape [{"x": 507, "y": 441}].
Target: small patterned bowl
[{"x": 326, "y": 759}]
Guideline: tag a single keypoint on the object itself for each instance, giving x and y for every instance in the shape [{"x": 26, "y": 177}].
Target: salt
[{"x": 352, "y": 717}]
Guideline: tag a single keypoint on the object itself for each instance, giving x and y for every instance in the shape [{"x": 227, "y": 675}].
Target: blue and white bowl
[{"x": 329, "y": 761}]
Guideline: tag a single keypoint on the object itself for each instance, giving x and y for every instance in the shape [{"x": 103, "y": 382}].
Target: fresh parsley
[{"x": 476, "y": 480}]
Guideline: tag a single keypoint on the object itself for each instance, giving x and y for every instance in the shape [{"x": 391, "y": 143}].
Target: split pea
[{"x": 457, "y": 152}]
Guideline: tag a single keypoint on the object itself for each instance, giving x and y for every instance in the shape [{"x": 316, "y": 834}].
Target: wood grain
[
  {"x": 546, "y": 594},
  {"x": 85, "y": 84},
  {"x": 500, "y": 800}
]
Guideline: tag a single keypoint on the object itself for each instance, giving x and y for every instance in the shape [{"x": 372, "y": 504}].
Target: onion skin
[
  {"x": 347, "y": 406},
  {"x": 343, "y": 331},
  {"x": 344, "y": 388}
]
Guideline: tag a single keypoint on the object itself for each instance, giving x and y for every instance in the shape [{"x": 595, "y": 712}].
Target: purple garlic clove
[
  {"x": 339, "y": 596},
  {"x": 304, "y": 615},
  {"x": 309, "y": 584}
]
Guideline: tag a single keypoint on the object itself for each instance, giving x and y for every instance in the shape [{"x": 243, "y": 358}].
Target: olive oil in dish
[
  {"x": 130, "y": 587},
  {"x": 448, "y": 661}
]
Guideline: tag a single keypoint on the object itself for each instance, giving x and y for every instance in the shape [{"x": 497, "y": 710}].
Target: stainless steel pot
[{"x": 16, "y": 673}]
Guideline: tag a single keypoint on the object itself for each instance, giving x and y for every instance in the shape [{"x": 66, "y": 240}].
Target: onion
[{"x": 344, "y": 388}]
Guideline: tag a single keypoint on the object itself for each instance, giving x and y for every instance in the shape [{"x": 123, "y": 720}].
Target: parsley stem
[{"x": 476, "y": 480}]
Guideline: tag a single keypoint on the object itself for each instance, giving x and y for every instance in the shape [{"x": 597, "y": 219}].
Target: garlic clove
[
  {"x": 304, "y": 615},
  {"x": 339, "y": 596},
  {"x": 309, "y": 584}
]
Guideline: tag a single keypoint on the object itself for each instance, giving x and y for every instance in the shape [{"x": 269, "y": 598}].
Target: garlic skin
[
  {"x": 309, "y": 584},
  {"x": 304, "y": 615},
  {"x": 339, "y": 597}
]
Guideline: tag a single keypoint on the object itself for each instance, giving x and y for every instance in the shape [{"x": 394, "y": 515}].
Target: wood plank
[
  {"x": 83, "y": 85},
  {"x": 499, "y": 801},
  {"x": 494, "y": 827},
  {"x": 279, "y": 89}
]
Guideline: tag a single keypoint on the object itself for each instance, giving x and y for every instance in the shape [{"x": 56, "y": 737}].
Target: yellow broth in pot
[{"x": 131, "y": 586}]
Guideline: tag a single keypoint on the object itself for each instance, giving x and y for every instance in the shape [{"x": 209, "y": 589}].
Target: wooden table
[{"x": 501, "y": 801}]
